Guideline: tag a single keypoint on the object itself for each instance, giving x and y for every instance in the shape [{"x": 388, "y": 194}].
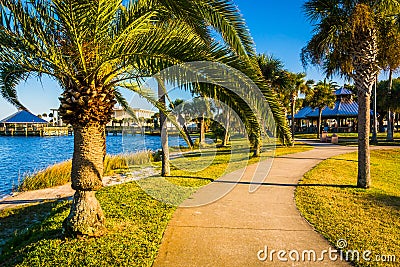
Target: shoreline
[{"x": 65, "y": 191}]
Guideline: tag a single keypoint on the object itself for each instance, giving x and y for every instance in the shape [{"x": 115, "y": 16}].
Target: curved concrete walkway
[{"x": 234, "y": 229}]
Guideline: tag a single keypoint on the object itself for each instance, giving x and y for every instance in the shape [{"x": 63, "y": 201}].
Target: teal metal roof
[
  {"x": 344, "y": 109},
  {"x": 343, "y": 91},
  {"x": 23, "y": 117}
]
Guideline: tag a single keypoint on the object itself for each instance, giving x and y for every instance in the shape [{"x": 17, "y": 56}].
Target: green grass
[
  {"x": 135, "y": 224},
  {"x": 136, "y": 219},
  {"x": 59, "y": 174},
  {"x": 366, "y": 219},
  {"x": 351, "y": 138}
]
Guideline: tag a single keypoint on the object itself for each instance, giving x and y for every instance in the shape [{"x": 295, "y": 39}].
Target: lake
[{"x": 22, "y": 155}]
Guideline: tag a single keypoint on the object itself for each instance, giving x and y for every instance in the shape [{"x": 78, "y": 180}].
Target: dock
[{"x": 35, "y": 131}]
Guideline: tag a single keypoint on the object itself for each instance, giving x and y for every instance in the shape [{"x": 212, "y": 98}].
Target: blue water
[{"x": 22, "y": 155}]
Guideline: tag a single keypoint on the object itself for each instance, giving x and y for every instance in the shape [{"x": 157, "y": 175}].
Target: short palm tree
[
  {"x": 94, "y": 47},
  {"x": 295, "y": 84},
  {"x": 345, "y": 42},
  {"x": 321, "y": 96}
]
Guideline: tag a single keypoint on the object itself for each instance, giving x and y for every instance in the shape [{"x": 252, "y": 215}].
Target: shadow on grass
[
  {"x": 214, "y": 152},
  {"x": 192, "y": 177},
  {"x": 387, "y": 200},
  {"x": 33, "y": 201},
  {"x": 289, "y": 157},
  {"x": 22, "y": 226},
  {"x": 287, "y": 185}
]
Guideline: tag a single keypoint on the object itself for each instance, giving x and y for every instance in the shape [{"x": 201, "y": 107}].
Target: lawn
[
  {"x": 366, "y": 219},
  {"x": 136, "y": 220},
  {"x": 350, "y": 139}
]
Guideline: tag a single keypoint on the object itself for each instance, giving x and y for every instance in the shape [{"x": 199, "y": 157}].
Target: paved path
[{"x": 232, "y": 230}]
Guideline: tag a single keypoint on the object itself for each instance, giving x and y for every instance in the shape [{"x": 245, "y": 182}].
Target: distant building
[
  {"x": 22, "y": 123},
  {"x": 123, "y": 118}
]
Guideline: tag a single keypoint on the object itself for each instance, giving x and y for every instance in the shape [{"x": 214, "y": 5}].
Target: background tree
[
  {"x": 179, "y": 109},
  {"x": 320, "y": 97},
  {"x": 201, "y": 109},
  {"x": 276, "y": 76},
  {"x": 296, "y": 84},
  {"x": 386, "y": 101},
  {"x": 389, "y": 57},
  {"x": 345, "y": 42}
]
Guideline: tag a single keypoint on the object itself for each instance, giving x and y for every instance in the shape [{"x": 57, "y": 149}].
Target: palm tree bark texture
[
  {"x": 165, "y": 166},
  {"x": 364, "y": 56},
  {"x": 88, "y": 110}
]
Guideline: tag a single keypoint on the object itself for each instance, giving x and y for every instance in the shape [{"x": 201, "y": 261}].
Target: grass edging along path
[
  {"x": 365, "y": 219},
  {"x": 31, "y": 235}
]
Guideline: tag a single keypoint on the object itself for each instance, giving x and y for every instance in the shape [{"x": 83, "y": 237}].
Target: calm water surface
[{"x": 22, "y": 155}]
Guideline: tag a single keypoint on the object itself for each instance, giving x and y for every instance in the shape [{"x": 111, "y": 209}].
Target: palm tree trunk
[
  {"x": 257, "y": 148},
  {"x": 165, "y": 167},
  {"x": 202, "y": 131},
  {"x": 364, "y": 173},
  {"x": 389, "y": 136},
  {"x": 226, "y": 135},
  {"x": 319, "y": 122},
  {"x": 181, "y": 121},
  {"x": 86, "y": 216},
  {"x": 366, "y": 68},
  {"x": 293, "y": 110}
]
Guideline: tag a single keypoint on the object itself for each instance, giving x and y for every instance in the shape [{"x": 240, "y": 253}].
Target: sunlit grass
[
  {"x": 60, "y": 173},
  {"x": 136, "y": 219},
  {"x": 57, "y": 174},
  {"x": 366, "y": 219}
]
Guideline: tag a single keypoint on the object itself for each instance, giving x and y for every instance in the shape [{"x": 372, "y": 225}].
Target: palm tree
[
  {"x": 295, "y": 84},
  {"x": 92, "y": 48},
  {"x": 321, "y": 96},
  {"x": 199, "y": 108},
  {"x": 346, "y": 43},
  {"x": 165, "y": 166},
  {"x": 272, "y": 70},
  {"x": 389, "y": 56},
  {"x": 178, "y": 107}
]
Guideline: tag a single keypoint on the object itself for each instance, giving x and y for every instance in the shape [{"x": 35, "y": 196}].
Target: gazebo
[
  {"x": 341, "y": 118},
  {"x": 22, "y": 123}
]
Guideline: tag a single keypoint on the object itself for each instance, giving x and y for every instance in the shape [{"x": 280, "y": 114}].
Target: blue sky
[{"x": 278, "y": 28}]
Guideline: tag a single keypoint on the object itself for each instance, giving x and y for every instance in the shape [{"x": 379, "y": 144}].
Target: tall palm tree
[
  {"x": 94, "y": 47},
  {"x": 272, "y": 70},
  {"x": 345, "y": 42},
  {"x": 165, "y": 166},
  {"x": 321, "y": 96}
]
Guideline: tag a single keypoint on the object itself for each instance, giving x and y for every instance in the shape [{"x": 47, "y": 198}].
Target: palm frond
[
  {"x": 152, "y": 98},
  {"x": 9, "y": 79}
]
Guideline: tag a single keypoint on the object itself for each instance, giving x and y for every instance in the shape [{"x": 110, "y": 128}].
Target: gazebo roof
[
  {"x": 23, "y": 117},
  {"x": 347, "y": 109},
  {"x": 343, "y": 91},
  {"x": 302, "y": 114},
  {"x": 344, "y": 109}
]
